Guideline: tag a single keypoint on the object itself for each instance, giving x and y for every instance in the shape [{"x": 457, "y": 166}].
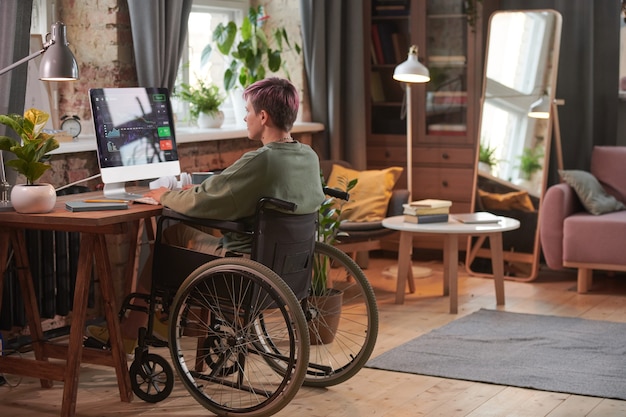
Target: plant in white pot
[
  {"x": 31, "y": 156},
  {"x": 204, "y": 103}
]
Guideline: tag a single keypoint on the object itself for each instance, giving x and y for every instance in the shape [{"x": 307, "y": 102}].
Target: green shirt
[{"x": 289, "y": 171}]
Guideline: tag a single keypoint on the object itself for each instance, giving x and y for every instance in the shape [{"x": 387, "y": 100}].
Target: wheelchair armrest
[{"x": 227, "y": 225}]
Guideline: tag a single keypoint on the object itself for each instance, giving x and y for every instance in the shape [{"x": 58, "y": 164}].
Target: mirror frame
[{"x": 474, "y": 245}]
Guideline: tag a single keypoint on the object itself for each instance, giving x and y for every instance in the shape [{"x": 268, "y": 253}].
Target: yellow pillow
[
  {"x": 370, "y": 197},
  {"x": 516, "y": 200}
]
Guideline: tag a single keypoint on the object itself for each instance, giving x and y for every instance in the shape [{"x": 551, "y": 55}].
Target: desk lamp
[
  {"x": 57, "y": 64},
  {"x": 411, "y": 72}
]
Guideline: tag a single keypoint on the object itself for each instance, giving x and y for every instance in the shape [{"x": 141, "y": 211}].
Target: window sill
[{"x": 86, "y": 143}]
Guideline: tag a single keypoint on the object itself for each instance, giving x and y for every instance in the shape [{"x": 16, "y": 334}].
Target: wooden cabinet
[{"x": 444, "y": 111}]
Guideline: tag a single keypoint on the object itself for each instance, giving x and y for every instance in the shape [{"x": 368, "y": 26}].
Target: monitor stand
[{"x": 117, "y": 190}]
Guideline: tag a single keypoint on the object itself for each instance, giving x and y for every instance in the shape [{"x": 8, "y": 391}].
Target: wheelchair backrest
[{"x": 285, "y": 243}]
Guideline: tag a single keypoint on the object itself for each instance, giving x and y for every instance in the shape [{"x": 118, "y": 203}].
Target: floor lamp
[
  {"x": 57, "y": 64},
  {"x": 411, "y": 72}
]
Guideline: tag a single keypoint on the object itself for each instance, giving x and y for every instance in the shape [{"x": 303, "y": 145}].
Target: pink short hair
[{"x": 278, "y": 97}]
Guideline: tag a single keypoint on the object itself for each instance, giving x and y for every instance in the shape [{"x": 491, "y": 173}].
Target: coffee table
[{"x": 451, "y": 231}]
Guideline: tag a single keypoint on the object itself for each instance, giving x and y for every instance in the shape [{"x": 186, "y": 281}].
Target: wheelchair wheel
[
  {"x": 151, "y": 378},
  {"x": 215, "y": 345},
  {"x": 333, "y": 361}
]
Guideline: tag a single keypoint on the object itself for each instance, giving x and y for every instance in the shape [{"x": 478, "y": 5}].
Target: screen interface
[{"x": 133, "y": 126}]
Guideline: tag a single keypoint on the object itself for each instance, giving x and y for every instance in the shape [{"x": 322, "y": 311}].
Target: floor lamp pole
[{"x": 409, "y": 142}]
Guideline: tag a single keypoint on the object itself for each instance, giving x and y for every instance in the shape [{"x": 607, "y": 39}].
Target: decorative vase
[
  {"x": 33, "y": 198},
  {"x": 213, "y": 120},
  {"x": 323, "y": 327}
]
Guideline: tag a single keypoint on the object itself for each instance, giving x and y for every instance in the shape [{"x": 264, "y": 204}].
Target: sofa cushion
[
  {"x": 369, "y": 199},
  {"x": 595, "y": 199},
  {"x": 594, "y": 239},
  {"x": 608, "y": 165}
]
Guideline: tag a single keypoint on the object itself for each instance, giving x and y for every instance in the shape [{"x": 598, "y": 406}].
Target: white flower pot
[
  {"x": 214, "y": 120},
  {"x": 35, "y": 198}
]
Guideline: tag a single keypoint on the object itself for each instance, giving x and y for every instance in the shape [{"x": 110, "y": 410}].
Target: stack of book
[{"x": 427, "y": 211}]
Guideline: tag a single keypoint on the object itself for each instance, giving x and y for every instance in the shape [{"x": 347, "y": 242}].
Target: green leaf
[{"x": 205, "y": 55}]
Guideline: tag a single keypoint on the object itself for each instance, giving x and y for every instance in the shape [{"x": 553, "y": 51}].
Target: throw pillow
[
  {"x": 590, "y": 192},
  {"x": 515, "y": 200},
  {"x": 370, "y": 197}
]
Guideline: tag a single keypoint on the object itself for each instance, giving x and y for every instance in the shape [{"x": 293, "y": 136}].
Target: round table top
[{"x": 452, "y": 226}]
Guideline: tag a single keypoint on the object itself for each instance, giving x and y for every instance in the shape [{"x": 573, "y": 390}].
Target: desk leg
[
  {"x": 497, "y": 265},
  {"x": 405, "y": 251},
  {"x": 450, "y": 269},
  {"x": 28, "y": 295},
  {"x": 103, "y": 269}
]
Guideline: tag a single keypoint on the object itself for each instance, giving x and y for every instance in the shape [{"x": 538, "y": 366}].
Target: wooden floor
[{"x": 382, "y": 393}]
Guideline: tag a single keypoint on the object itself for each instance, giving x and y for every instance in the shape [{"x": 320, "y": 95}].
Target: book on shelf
[
  {"x": 430, "y": 203},
  {"x": 447, "y": 129},
  {"x": 426, "y": 218},
  {"x": 411, "y": 210},
  {"x": 385, "y": 32},
  {"x": 479, "y": 217},
  {"x": 376, "y": 86},
  {"x": 450, "y": 97},
  {"x": 377, "y": 45},
  {"x": 446, "y": 60},
  {"x": 400, "y": 47}
]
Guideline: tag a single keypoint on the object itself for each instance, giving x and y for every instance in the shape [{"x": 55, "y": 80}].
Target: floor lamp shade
[{"x": 540, "y": 109}]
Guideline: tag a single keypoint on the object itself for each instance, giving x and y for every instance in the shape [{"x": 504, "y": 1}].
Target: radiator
[{"x": 53, "y": 258}]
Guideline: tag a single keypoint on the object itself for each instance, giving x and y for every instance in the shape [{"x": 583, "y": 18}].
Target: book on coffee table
[{"x": 480, "y": 217}]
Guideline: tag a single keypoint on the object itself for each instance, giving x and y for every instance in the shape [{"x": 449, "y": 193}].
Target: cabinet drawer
[
  {"x": 444, "y": 156},
  {"x": 444, "y": 183}
]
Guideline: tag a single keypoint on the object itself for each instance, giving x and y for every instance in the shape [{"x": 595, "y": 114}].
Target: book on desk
[{"x": 81, "y": 205}]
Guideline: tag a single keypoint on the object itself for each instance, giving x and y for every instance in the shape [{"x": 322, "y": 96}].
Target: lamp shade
[
  {"x": 411, "y": 70},
  {"x": 540, "y": 109},
  {"x": 58, "y": 62}
]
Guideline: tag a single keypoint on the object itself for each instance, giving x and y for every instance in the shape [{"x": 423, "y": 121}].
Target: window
[{"x": 204, "y": 17}]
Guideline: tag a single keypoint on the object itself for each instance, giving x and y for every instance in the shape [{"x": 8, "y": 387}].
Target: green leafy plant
[
  {"x": 249, "y": 49},
  {"x": 328, "y": 232},
  {"x": 487, "y": 155},
  {"x": 202, "y": 98},
  {"x": 35, "y": 144},
  {"x": 530, "y": 161}
]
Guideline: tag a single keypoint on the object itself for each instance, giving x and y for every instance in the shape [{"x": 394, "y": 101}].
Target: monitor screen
[{"x": 134, "y": 134}]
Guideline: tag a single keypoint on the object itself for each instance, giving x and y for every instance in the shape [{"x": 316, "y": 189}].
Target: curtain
[
  {"x": 587, "y": 77},
  {"x": 332, "y": 37},
  {"x": 15, "y": 18},
  {"x": 159, "y": 28}
]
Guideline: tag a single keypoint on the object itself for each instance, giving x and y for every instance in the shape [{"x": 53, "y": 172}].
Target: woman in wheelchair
[
  {"x": 245, "y": 331},
  {"x": 282, "y": 168}
]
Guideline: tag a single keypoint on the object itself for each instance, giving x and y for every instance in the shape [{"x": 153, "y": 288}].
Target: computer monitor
[{"x": 135, "y": 136}]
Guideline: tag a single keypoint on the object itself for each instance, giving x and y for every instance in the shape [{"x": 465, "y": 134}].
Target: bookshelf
[{"x": 445, "y": 110}]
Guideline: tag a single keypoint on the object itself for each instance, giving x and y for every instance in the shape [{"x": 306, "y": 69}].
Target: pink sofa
[{"x": 574, "y": 238}]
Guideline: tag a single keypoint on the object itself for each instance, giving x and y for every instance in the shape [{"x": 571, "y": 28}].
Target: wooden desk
[
  {"x": 451, "y": 231},
  {"x": 93, "y": 226}
]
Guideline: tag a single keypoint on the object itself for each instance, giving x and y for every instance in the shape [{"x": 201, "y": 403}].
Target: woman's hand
[{"x": 157, "y": 193}]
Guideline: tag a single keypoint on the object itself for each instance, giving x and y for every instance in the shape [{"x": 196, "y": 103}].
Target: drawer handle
[
  {"x": 445, "y": 156},
  {"x": 444, "y": 183}
]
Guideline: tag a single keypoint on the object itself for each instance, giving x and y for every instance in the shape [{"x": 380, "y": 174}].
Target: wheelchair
[{"x": 245, "y": 334}]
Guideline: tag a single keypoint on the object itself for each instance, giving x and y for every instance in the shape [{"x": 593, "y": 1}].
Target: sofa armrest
[
  {"x": 398, "y": 198},
  {"x": 559, "y": 202}
]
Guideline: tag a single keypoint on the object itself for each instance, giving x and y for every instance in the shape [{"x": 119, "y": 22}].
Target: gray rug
[{"x": 547, "y": 353}]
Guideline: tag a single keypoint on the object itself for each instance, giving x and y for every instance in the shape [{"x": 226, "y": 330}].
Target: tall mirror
[{"x": 514, "y": 145}]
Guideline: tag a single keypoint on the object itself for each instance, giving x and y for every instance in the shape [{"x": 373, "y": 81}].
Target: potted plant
[
  {"x": 530, "y": 162},
  {"x": 31, "y": 156},
  {"x": 252, "y": 55},
  {"x": 327, "y": 300},
  {"x": 486, "y": 157},
  {"x": 205, "y": 101}
]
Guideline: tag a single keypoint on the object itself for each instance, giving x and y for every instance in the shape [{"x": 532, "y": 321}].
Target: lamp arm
[{"x": 23, "y": 60}]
